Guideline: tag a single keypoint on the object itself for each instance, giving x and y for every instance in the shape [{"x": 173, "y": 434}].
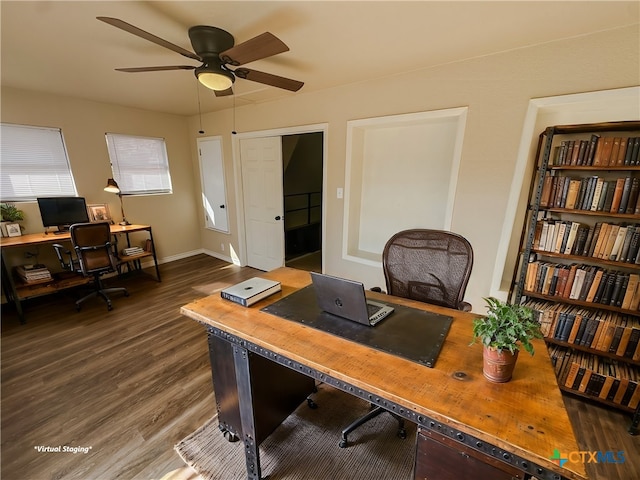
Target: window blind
[
  {"x": 139, "y": 164},
  {"x": 33, "y": 163}
]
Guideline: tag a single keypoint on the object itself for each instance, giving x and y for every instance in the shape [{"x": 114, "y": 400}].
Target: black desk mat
[{"x": 409, "y": 333}]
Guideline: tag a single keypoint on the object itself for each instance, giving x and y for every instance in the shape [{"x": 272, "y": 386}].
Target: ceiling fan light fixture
[
  {"x": 215, "y": 80},
  {"x": 216, "y": 49}
]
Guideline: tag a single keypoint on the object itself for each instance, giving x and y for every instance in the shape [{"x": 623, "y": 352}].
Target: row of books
[
  {"x": 603, "y": 378},
  {"x": 33, "y": 273},
  {"x": 584, "y": 283},
  {"x": 594, "y": 193},
  {"x": 604, "y": 240},
  {"x": 598, "y": 152},
  {"x": 132, "y": 251},
  {"x": 611, "y": 332}
]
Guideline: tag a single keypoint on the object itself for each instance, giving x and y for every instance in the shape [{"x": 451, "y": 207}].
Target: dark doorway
[{"x": 302, "y": 187}]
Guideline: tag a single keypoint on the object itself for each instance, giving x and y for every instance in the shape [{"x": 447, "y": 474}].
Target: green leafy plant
[
  {"x": 10, "y": 213},
  {"x": 506, "y": 326}
]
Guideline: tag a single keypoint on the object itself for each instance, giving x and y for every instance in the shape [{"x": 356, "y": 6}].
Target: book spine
[
  {"x": 591, "y": 149},
  {"x": 626, "y": 192},
  {"x": 234, "y": 299},
  {"x": 567, "y": 327},
  {"x": 633, "y": 196},
  {"x": 608, "y": 291},
  {"x": 624, "y": 251},
  {"x": 617, "y": 195},
  {"x": 615, "y": 341},
  {"x": 634, "y": 246},
  {"x": 634, "y": 337},
  {"x": 635, "y": 154},
  {"x": 631, "y": 388},
  {"x": 613, "y": 390}
]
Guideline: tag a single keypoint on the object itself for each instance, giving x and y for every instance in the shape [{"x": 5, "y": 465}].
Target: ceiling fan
[{"x": 215, "y": 49}]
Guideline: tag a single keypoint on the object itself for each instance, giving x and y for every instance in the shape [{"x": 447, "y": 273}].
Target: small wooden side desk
[
  {"x": 467, "y": 426},
  {"x": 17, "y": 292}
]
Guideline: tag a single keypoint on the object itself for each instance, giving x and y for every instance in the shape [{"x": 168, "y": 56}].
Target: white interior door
[{"x": 261, "y": 161}]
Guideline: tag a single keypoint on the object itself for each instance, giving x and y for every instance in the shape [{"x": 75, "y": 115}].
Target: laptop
[{"x": 346, "y": 299}]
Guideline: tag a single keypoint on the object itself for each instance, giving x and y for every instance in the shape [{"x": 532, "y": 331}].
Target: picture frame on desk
[
  {"x": 13, "y": 230},
  {"x": 99, "y": 212}
]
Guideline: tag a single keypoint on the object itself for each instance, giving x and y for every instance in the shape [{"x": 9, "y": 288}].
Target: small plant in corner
[
  {"x": 10, "y": 213},
  {"x": 503, "y": 332}
]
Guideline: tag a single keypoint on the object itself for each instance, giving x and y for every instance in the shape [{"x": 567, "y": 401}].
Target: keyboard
[{"x": 372, "y": 309}]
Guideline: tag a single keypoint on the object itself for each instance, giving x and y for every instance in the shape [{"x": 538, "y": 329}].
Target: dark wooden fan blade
[
  {"x": 155, "y": 69},
  {"x": 127, "y": 27},
  {"x": 262, "y": 46},
  {"x": 224, "y": 93},
  {"x": 269, "y": 79}
]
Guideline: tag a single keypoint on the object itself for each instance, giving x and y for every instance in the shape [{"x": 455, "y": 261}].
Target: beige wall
[
  {"x": 84, "y": 124},
  {"x": 497, "y": 89}
]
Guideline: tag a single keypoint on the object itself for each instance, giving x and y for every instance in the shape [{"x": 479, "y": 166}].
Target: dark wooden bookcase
[{"x": 578, "y": 265}]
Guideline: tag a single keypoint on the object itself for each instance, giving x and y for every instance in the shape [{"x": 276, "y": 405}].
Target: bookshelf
[{"x": 579, "y": 258}]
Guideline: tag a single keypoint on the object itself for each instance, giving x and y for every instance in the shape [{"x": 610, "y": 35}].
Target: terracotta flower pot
[{"x": 498, "y": 366}]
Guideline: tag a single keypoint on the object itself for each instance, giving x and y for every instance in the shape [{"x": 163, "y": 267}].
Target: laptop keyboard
[{"x": 372, "y": 309}]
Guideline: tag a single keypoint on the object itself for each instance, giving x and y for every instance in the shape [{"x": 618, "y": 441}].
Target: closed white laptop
[{"x": 250, "y": 291}]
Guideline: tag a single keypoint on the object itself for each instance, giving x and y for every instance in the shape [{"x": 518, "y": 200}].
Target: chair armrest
[
  {"x": 464, "y": 306},
  {"x": 69, "y": 264},
  {"x": 60, "y": 248}
]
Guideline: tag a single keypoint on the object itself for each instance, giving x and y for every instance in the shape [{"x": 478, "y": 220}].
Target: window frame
[{"x": 129, "y": 179}]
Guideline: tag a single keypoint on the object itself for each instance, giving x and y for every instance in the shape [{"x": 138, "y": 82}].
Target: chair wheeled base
[
  {"x": 102, "y": 292},
  {"x": 402, "y": 433}
]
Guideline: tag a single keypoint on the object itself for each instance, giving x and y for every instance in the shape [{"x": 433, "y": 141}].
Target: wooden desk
[
  {"x": 17, "y": 292},
  {"x": 497, "y": 431}
]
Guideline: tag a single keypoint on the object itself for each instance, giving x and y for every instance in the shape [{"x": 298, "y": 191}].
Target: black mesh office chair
[
  {"x": 93, "y": 257},
  {"x": 431, "y": 266}
]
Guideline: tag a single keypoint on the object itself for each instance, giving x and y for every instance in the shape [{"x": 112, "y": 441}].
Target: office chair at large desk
[
  {"x": 431, "y": 266},
  {"x": 94, "y": 257}
]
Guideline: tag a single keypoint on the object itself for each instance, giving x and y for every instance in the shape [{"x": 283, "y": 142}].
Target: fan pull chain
[
  {"x": 233, "y": 132},
  {"x": 201, "y": 131}
]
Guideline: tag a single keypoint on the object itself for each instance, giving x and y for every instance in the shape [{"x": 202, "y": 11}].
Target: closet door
[{"x": 214, "y": 192}]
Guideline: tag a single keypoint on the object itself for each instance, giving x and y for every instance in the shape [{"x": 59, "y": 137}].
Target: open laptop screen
[{"x": 346, "y": 298}]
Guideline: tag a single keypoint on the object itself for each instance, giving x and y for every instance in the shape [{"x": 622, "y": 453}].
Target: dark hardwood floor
[
  {"x": 128, "y": 384},
  {"x": 602, "y": 429},
  {"x": 311, "y": 262}
]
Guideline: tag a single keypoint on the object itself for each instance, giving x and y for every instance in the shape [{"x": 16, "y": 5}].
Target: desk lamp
[{"x": 112, "y": 187}]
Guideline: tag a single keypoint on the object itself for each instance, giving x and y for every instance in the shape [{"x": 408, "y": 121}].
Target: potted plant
[
  {"x": 9, "y": 214},
  {"x": 503, "y": 332}
]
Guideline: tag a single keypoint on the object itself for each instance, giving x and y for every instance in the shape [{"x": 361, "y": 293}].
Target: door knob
[
  {"x": 278, "y": 217},
  {"x": 221, "y": 206}
]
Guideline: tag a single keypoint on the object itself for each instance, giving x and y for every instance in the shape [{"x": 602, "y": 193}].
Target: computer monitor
[{"x": 61, "y": 212}]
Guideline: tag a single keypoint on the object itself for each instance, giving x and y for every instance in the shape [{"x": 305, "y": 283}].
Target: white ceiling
[{"x": 60, "y": 47}]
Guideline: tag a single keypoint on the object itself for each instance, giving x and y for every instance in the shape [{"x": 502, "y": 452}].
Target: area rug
[{"x": 305, "y": 446}]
